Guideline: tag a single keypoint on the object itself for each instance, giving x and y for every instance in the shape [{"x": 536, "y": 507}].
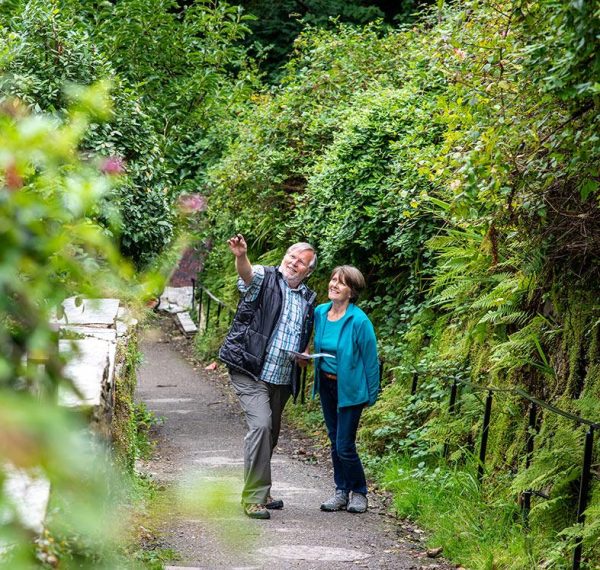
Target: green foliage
[
  {"x": 277, "y": 24},
  {"x": 190, "y": 69},
  {"x": 360, "y": 213},
  {"x": 175, "y": 86},
  {"x": 207, "y": 343},
  {"x": 52, "y": 248},
  {"x": 454, "y": 161},
  {"x": 43, "y": 440},
  {"x": 478, "y": 528},
  {"x": 143, "y": 419},
  {"x": 48, "y": 48},
  {"x": 132, "y": 422},
  {"x": 456, "y": 164}
]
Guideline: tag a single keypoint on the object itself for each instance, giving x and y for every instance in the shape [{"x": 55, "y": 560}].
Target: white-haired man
[{"x": 275, "y": 315}]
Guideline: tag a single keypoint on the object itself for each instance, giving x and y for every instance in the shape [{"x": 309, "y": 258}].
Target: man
[{"x": 274, "y": 316}]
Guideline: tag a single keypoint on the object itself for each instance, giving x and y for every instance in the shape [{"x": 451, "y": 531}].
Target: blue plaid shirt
[{"x": 277, "y": 368}]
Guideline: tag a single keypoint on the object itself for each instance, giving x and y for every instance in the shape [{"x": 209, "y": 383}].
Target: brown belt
[{"x": 329, "y": 376}]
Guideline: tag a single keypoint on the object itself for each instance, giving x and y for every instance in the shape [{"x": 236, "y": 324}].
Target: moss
[
  {"x": 507, "y": 433},
  {"x": 124, "y": 429},
  {"x": 574, "y": 345},
  {"x": 592, "y": 377}
]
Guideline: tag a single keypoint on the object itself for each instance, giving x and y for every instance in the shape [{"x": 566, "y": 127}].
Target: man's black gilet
[{"x": 246, "y": 344}]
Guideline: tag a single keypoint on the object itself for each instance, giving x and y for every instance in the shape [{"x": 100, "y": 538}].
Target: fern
[{"x": 524, "y": 348}]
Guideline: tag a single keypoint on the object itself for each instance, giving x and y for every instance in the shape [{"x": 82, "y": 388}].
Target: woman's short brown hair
[{"x": 352, "y": 277}]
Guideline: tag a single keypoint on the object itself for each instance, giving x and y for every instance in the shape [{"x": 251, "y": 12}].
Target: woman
[{"x": 346, "y": 383}]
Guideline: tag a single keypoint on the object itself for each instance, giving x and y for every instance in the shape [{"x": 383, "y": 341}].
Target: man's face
[{"x": 295, "y": 266}]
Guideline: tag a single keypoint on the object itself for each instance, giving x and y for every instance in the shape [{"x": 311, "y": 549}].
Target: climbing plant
[{"x": 456, "y": 163}]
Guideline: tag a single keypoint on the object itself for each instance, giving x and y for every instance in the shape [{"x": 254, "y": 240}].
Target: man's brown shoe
[
  {"x": 256, "y": 511},
  {"x": 274, "y": 504}
]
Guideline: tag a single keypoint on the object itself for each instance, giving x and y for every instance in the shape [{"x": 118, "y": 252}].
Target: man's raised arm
[{"x": 239, "y": 248}]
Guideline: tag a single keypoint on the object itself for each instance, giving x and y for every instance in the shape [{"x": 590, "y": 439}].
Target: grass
[
  {"x": 207, "y": 344},
  {"x": 143, "y": 420},
  {"x": 478, "y": 526},
  {"x": 155, "y": 559}
]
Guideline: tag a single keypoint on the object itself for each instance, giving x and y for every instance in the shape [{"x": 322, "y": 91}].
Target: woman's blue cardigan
[{"x": 357, "y": 362}]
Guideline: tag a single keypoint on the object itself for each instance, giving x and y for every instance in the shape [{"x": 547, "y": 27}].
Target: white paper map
[{"x": 305, "y": 356}]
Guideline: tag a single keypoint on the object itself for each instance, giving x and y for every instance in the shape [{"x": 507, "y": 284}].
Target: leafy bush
[
  {"x": 47, "y": 49},
  {"x": 456, "y": 164},
  {"x": 51, "y": 249}
]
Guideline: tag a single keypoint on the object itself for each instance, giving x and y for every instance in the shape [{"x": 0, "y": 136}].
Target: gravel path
[{"x": 198, "y": 464}]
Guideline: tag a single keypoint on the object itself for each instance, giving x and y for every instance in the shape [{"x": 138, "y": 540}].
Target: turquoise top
[
  {"x": 329, "y": 341},
  {"x": 356, "y": 356}
]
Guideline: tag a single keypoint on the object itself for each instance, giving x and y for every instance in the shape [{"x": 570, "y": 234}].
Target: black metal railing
[
  {"x": 532, "y": 428},
  {"x": 205, "y": 299},
  {"x": 202, "y": 298}
]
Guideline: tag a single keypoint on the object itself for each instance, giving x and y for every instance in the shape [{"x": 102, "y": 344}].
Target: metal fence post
[
  {"x": 219, "y": 306},
  {"x": 303, "y": 386},
  {"x": 528, "y": 454},
  {"x": 200, "y": 306},
  {"x": 484, "y": 435},
  {"x": 583, "y": 491},
  {"x": 415, "y": 380},
  {"x": 207, "y": 312},
  {"x": 451, "y": 408},
  {"x": 193, "y": 295}
]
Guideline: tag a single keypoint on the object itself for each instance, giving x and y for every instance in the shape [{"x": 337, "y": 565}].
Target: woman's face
[{"x": 338, "y": 290}]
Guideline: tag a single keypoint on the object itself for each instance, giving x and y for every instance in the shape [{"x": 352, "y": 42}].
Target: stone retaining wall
[{"x": 95, "y": 330}]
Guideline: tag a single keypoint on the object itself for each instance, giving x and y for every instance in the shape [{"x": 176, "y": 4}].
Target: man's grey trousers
[{"x": 263, "y": 405}]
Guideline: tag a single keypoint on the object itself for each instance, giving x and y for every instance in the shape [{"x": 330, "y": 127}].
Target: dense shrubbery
[
  {"x": 454, "y": 160},
  {"x": 174, "y": 86},
  {"x": 83, "y": 170},
  {"x": 456, "y": 163},
  {"x": 46, "y": 49},
  {"x": 51, "y": 248}
]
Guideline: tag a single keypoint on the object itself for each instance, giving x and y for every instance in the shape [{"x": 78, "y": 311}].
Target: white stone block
[
  {"x": 122, "y": 329},
  {"x": 29, "y": 495},
  {"x": 176, "y": 299},
  {"x": 101, "y": 333},
  {"x": 89, "y": 312},
  {"x": 89, "y": 369},
  {"x": 185, "y": 322},
  {"x": 124, "y": 321}
]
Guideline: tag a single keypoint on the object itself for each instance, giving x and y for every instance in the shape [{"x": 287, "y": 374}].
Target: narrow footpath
[{"x": 198, "y": 466}]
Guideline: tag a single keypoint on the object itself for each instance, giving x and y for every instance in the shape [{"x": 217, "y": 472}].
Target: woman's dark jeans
[{"x": 348, "y": 472}]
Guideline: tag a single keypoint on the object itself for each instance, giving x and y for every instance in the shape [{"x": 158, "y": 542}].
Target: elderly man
[{"x": 274, "y": 316}]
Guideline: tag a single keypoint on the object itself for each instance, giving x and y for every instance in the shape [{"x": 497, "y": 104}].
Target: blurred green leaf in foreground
[{"x": 52, "y": 247}]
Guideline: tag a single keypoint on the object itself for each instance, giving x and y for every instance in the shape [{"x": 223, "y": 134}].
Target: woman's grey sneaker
[
  {"x": 358, "y": 503},
  {"x": 336, "y": 503}
]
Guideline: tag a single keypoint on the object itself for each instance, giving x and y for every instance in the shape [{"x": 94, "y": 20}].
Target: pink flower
[
  {"x": 190, "y": 203},
  {"x": 112, "y": 165},
  {"x": 460, "y": 53},
  {"x": 12, "y": 178}
]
